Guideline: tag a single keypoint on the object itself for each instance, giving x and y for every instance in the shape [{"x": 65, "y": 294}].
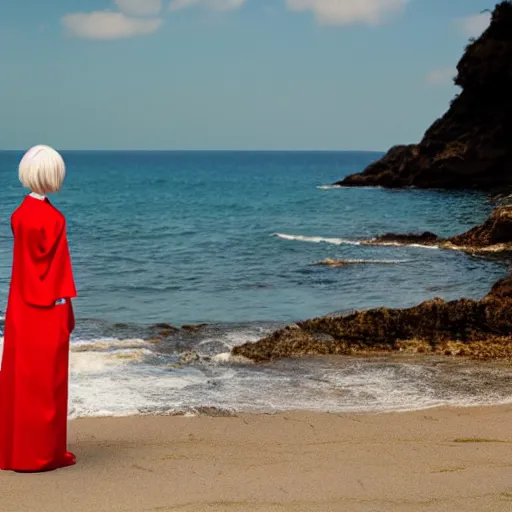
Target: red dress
[{"x": 34, "y": 373}]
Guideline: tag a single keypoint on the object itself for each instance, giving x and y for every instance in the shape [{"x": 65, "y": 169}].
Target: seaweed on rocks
[{"x": 481, "y": 329}]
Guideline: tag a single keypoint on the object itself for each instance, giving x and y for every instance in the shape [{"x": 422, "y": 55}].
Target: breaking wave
[
  {"x": 328, "y": 187},
  {"x": 316, "y": 239},
  {"x": 344, "y": 241},
  {"x": 399, "y": 244}
]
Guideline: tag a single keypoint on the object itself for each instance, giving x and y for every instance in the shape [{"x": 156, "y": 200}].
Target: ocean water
[{"x": 230, "y": 239}]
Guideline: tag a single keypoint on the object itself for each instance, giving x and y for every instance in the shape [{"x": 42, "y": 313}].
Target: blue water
[{"x": 187, "y": 237}]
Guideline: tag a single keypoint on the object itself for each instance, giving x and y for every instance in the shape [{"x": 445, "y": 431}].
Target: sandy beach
[{"x": 432, "y": 460}]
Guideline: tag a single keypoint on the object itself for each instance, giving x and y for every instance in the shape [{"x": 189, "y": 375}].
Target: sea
[{"x": 230, "y": 239}]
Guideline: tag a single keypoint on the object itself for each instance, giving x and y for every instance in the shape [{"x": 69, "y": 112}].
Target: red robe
[{"x": 34, "y": 373}]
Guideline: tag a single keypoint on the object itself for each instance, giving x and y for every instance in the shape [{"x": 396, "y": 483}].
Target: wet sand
[{"x": 433, "y": 460}]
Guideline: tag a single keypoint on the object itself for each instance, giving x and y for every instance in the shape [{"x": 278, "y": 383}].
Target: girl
[{"x": 39, "y": 321}]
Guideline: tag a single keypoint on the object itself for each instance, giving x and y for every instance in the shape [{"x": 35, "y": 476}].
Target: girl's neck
[{"x": 37, "y": 196}]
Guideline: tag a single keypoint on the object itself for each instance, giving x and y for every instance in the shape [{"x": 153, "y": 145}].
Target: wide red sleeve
[{"x": 43, "y": 262}]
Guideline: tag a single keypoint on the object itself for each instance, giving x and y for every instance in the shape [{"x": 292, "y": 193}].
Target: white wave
[
  {"x": 328, "y": 187},
  {"x": 84, "y": 363},
  {"x": 95, "y": 356},
  {"x": 120, "y": 381},
  {"x": 316, "y": 239},
  {"x": 344, "y": 241},
  {"x": 115, "y": 379},
  {"x": 121, "y": 391},
  {"x": 227, "y": 357},
  {"x": 399, "y": 244}
]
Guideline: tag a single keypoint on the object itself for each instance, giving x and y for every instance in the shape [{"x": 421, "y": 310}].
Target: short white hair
[{"x": 42, "y": 170}]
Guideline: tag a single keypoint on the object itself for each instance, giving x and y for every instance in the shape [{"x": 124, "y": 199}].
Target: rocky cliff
[{"x": 471, "y": 145}]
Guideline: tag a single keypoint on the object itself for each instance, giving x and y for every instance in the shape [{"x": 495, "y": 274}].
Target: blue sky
[{"x": 228, "y": 74}]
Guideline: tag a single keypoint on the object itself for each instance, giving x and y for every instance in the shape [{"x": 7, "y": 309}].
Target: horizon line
[{"x": 15, "y": 150}]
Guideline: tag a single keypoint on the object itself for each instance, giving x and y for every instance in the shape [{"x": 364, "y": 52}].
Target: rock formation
[
  {"x": 426, "y": 238},
  {"x": 481, "y": 329},
  {"x": 470, "y": 146},
  {"x": 494, "y": 235},
  {"x": 496, "y": 230},
  {"x": 161, "y": 331}
]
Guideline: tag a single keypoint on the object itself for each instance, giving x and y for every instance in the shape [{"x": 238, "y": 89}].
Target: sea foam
[
  {"x": 344, "y": 241},
  {"x": 316, "y": 239},
  {"x": 328, "y": 187},
  {"x": 131, "y": 377}
]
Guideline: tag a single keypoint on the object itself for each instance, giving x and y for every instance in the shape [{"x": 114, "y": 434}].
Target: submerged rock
[
  {"x": 163, "y": 330},
  {"x": 328, "y": 262},
  {"x": 164, "y": 327},
  {"x": 193, "y": 327},
  {"x": 469, "y": 147}
]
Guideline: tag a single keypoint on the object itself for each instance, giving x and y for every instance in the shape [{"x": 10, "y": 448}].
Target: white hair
[{"x": 42, "y": 170}]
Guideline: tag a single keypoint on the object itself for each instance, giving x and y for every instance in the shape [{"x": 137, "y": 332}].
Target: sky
[{"x": 229, "y": 74}]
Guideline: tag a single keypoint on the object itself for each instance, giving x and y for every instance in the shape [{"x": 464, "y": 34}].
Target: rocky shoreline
[
  {"x": 468, "y": 148},
  {"x": 493, "y": 236},
  {"x": 479, "y": 329}
]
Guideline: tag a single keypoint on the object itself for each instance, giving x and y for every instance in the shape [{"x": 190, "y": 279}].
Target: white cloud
[
  {"x": 218, "y": 5},
  {"x": 140, "y": 7},
  {"x": 473, "y": 26},
  {"x": 108, "y": 25},
  {"x": 346, "y": 12},
  {"x": 441, "y": 76}
]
